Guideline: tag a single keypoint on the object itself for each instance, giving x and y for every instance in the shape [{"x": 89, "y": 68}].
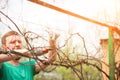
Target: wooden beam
[{"x": 74, "y": 14}]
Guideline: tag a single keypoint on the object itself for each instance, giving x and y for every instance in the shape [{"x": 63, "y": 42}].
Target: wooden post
[{"x": 111, "y": 56}]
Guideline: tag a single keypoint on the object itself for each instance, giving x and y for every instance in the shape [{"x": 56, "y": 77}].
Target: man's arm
[
  {"x": 51, "y": 55},
  {"x": 7, "y": 57}
]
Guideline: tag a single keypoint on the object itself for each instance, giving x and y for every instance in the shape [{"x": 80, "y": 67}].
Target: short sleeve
[{"x": 1, "y": 70}]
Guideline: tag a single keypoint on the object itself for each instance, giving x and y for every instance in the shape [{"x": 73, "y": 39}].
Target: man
[{"x": 10, "y": 66}]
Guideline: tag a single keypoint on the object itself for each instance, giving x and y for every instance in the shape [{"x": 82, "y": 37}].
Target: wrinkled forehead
[{"x": 13, "y": 38}]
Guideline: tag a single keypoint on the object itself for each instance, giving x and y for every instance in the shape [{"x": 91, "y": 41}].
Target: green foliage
[
  {"x": 89, "y": 73},
  {"x": 67, "y": 73}
]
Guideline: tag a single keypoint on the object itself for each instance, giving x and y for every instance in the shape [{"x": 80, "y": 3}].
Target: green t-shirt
[{"x": 25, "y": 71}]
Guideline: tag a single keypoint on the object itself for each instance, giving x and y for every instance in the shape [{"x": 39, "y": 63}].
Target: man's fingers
[{"x": 54, "y": 36}]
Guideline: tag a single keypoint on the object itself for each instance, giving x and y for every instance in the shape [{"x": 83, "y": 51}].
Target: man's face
[{"x": 13, "y": 42}]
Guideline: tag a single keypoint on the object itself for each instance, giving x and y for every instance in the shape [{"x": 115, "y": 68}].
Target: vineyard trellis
[{"x": 66, "y": 61}]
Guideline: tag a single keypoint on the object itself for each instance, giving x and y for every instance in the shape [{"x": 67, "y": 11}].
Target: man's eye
[
  {"x": 19, "y": 41},
  {"x": 15, "y": 41},
  {"x": 12, "y": 42}
]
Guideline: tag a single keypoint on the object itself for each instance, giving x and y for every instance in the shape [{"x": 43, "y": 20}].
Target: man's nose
[{"x": 17, "y": 43}]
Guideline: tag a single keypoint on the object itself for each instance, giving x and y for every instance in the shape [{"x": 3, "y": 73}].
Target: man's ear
[{"x": 4, "y": 46}]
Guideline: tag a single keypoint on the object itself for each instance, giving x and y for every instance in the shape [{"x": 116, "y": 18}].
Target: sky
[{"x": 37, "y": 18}]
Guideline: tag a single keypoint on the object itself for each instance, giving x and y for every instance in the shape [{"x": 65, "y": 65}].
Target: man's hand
[
  {"x": 36, "y": 51},
  {"x": 24, "y": 52},
  {"x": 54, "y": 36}
]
